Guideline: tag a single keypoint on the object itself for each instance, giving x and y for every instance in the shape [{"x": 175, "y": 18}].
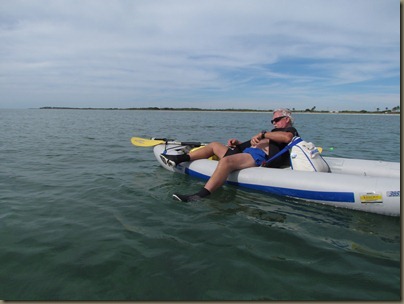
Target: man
[{"x": 237, "y": 155}]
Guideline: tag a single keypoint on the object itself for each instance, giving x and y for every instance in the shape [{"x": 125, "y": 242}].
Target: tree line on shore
[{"x": 394, "y": 110}]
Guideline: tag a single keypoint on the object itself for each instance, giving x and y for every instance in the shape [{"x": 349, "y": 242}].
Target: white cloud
[{"x": 193, "y": 51}]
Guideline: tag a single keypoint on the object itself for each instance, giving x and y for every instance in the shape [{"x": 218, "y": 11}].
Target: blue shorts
[{"x": 257, "y": 154}]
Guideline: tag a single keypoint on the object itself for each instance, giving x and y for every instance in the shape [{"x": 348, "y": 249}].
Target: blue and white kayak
[{"x": 365, "y": 185}]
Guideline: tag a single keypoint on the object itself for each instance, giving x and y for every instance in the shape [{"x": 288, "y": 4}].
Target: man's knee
[
  {"x": 226, "y": 162},
  {"x": 215, "y": 144},
  {"x": 218, "y": 148}
]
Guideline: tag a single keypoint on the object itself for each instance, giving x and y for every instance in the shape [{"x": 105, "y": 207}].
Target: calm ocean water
[{"x": 87, "y": 216}]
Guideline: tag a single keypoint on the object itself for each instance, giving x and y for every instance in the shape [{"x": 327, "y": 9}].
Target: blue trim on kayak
[{"x": 342, "y": 197}]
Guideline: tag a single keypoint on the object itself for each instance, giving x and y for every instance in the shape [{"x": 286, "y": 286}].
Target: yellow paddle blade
[{"x": 143, "y": 142}]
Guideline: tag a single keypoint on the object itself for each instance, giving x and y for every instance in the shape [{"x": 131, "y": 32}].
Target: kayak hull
[{"x": 365, "y": 185}]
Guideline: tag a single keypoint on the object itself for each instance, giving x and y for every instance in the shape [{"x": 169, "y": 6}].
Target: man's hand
[
  {"x": 256, "y": 139},
  {"x": 232, "y": 143}
]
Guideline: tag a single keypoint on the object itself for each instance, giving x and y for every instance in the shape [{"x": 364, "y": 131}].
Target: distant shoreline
[{"x": 222, "y": 110}]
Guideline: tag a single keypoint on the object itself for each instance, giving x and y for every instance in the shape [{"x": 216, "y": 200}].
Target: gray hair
[{"x": 286, "y": 112}]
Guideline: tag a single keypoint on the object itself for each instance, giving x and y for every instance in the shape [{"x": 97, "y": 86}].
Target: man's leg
[
  {"x": 225, "y": 166},
  {"x": 214, "y": 148}
]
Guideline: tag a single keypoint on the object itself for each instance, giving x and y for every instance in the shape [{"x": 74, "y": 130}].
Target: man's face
[{"x": 280, "y": 121}]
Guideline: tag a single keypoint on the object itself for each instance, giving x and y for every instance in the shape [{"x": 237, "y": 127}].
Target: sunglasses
[{"x": 277, "y": 119}]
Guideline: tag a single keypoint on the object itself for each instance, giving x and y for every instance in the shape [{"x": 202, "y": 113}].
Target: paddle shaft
[
  {"x": 143, "y": 142},
  {"x": 181, "y": 143}
]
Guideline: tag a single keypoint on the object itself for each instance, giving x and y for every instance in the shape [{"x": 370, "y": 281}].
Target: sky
[{"x": 214, "y": 54}]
